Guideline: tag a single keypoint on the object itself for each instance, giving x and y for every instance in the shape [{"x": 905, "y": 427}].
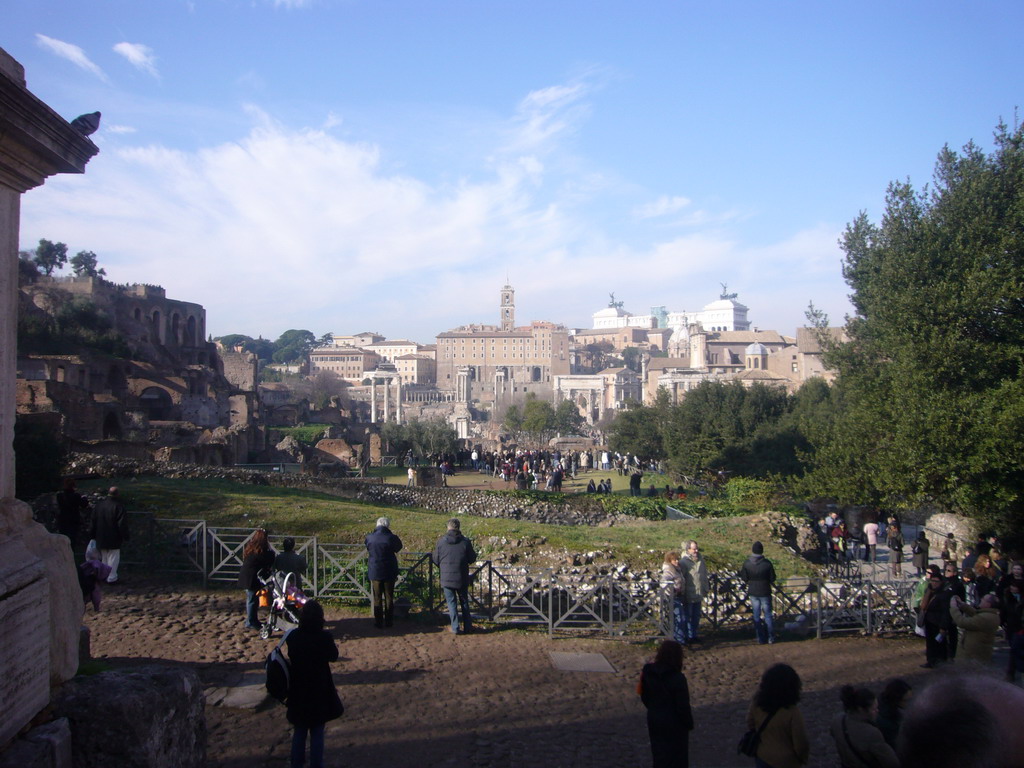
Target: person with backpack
[{"x": 313, "y": 700}]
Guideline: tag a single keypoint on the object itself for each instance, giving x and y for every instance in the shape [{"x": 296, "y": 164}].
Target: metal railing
[{"x": 613, "y": 604}]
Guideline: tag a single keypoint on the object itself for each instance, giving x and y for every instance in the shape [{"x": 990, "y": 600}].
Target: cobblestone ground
[{"x": 418, "y": 695}]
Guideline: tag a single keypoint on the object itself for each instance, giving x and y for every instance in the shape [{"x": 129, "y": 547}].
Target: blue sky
[{"x": 350, "y": 165}]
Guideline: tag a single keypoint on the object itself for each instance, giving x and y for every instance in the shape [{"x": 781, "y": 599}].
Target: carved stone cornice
[{"x": 35, "y": 142}]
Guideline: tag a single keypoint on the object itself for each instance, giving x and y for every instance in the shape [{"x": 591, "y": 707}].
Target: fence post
[
  {"x": 820, "y": 583},
  {"x": 206, "y": 558},
  {"x": 316, "y": 566},
  {"x": 867, "y": 597}
]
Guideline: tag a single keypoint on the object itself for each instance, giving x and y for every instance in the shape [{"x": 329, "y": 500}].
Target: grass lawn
[{"x": 725, "y": 542}]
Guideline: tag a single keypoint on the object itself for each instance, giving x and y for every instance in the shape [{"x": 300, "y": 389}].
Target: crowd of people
[{"x": 955, "y": 721}]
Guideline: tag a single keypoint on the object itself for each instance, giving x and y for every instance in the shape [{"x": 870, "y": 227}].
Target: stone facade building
[
  {"x": 136, "y": 404},
  {"x": 500, "y": 364},
  {"x": 350, "y": 363}
]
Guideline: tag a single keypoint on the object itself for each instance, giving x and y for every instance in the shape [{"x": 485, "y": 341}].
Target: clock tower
[{"x": 508, "y": 308}]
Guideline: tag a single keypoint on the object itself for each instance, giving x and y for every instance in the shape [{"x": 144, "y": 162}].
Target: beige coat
[
  {"x": 696, "y": 575},
  {"x": 979, "y": 627}
]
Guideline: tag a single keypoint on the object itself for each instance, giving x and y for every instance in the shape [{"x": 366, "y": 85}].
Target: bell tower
[{"x": 508, "y": 308}]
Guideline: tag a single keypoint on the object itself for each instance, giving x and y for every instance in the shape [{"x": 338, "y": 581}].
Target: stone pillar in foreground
[{"x": 40, "y": 601}]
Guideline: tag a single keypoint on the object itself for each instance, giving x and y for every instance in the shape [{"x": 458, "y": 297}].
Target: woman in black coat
[
  {"x": 256, "y": 555},
  {"x": 665, "y": 693},
  {"x": 383, "y": 547},
  {"x": 312, "y": 697}
]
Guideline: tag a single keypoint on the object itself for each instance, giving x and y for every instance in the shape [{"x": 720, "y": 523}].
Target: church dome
[{"x": 757, "y": 348}]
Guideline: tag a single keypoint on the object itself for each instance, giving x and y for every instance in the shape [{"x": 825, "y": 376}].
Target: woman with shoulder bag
[
  {"x": 312, "y": 698},
  {"x": 858, "y": 740},
  {"x": 774, "y": 715}
]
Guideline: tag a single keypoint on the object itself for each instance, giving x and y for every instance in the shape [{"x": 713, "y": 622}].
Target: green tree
[
  {"x": 513, "y": 421},
  {"x": 50, "y": 257},
  {"x": 538, "y": 418},
  {"x": 293, "y": 346},
  {"x": 631, "y": 357},
  {"x": 930, "y": 384},
  {"x": 639, "y": 429},
  {"x": 567, "y": 418},
  {"x": 83, "y": 264}
]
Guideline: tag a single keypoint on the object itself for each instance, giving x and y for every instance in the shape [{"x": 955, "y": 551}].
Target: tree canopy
[
  {"x": 932, "y": 379},
  {"x": 50, "y": 257}
]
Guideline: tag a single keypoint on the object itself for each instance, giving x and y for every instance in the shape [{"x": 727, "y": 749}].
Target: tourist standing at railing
[
  {"x": 895, "y": 544},
  {"x": 453, "y": 555},
  {"x": 919, "y": 552},
  {"x": 290, "y": 561},
  {"x": 666, "y": 695},
  {"x": 256, "y": 555},
  {"x": 759, "y": 575},
  {"x": 698, "y": 584},
  {"x": 674, "y": 583},
  {"x": 382, "y": 547}
]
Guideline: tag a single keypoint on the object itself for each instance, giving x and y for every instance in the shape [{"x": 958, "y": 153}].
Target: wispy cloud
[
  {"x": 292, "y": 3},
  {"x": 71, "y": 53},
  {"x": 139, "y": 56},
  {"x": 119, "y": 129},
  {"x": 663, "y": 206},
  {"x": 547, "y": 114}
]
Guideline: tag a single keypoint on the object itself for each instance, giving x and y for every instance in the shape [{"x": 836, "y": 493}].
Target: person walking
[
  {"x": 110, "y": 530},
  {"x": 871, "y": 540},
  {"x": 697, "y": 585},
  {"x": 935, "y": 617},
  {"x": 773, "y": 712},
  {"x": 666, "y": 695},
  {"x": 313, "y": 700},
  {"x": 256, "y": 555},
  {"x": 759, "y": 575},
  {"x": 453, "y": 555},
  {"x": 858, "y": 740},
  {"x": 383, "y": 547}
]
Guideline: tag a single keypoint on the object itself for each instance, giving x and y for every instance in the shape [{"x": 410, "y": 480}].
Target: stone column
[
  {"x": 40, "y": 601},
  {"x": 398, "y": 401},
  {"x": 387, "y": 399},
  {"x": 373, "y": 400}
]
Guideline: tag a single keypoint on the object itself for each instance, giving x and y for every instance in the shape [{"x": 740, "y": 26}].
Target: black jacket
[
  {"x": 383, "y": 547},
  {"x": 453, "y": 554},
  {"x": 251, "y": 566},
  {"x": 312, "y": 697},
  {"x": 759, "y": 573},
  {"x": 109, "y": 524},
  {"x": 666, "y": 695}
]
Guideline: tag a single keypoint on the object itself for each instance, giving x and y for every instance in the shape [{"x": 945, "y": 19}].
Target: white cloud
[
  {"x": 139, "y": 56},
  {"x": 545, "y": 116},
  {"x": 663, "y": 206},
  {"x": 288, "y": 228},
  {"x": 292, "y": 3},
  {"x": 119, "y": 129},
  {"x": 71, "y": 53}
]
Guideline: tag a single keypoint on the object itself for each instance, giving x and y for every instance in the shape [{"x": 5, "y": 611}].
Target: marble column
[{"x": 373, "y": 400}]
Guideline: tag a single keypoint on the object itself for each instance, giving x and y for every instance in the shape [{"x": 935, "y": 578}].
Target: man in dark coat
[
  {"x": 110, "y": 530},
  {"x": 383, "y": 547},
  {"x": 759, "y": 574},
  {"x": 453, "y": 554},
  {"x": 290, "y": 561}
]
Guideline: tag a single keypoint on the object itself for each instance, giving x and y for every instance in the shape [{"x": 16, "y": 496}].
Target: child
[{"x": 91, "y": 574}]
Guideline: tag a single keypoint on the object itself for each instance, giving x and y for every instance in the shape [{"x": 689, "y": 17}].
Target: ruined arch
[
  {"x": 156, "y": 402},
  {"x": 111, "y": 427},
  {"x": 190, "y": 331},
  {"x": 158, "y": 335},
  {"x": 176, "y": 328}
]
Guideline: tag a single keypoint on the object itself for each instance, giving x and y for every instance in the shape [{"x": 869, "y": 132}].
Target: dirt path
[{"x": 419, "y": 695}]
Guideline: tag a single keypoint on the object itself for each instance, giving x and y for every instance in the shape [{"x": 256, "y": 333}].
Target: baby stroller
[{"x": 284, "y": 598}]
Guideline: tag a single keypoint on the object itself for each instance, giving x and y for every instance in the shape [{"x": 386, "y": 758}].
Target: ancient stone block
[{"x": 145, "y": 717}]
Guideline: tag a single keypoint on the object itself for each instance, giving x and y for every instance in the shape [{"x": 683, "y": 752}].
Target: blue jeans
[
  {"x": 251, "y": 604},
  {"x": 450, "y": 594},
  {"x": 691, "y": 618},
  {"x": 678, "y": 621},
  {"x": 316, "y": 746},
  {"x": 763, "y": 624}
]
